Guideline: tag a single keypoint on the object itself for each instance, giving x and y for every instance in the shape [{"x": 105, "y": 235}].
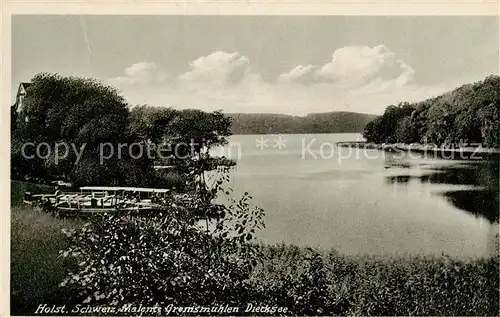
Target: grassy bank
[
  {"x": 307, "y": 281},
  {"x": 36, "y": 239},
  {"x": 36, "y": 269}
]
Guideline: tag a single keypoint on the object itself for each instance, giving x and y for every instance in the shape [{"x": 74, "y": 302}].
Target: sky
[{"x": 267, "y": 64}]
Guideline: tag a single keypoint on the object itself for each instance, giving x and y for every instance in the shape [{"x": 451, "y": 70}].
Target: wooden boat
[{"x": 100, "y": 199}]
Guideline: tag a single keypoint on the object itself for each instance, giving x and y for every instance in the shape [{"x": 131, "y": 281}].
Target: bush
[
  {"x": 17, "y": 190},
  {"x": 165, "y": 259},
  {"x": 169, "y": 179}
]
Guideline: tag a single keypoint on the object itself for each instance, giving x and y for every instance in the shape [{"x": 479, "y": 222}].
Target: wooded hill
[
  {"x": 468, "y": 114},
  {"x": 330, "y": 122}
]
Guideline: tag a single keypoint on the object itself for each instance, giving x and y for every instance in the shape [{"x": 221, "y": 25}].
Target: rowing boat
[{"x": 100, "y": 199}]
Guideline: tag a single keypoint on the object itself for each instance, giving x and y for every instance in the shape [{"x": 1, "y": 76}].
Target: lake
[{"x": 366, "y": 201}]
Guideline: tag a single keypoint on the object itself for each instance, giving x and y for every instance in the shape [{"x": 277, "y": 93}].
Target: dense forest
[
  {"x": 469, "y": 114},
  {"x": 331, "y": 122}
]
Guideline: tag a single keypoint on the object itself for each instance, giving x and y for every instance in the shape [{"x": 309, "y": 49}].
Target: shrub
[
  {"x": 167, "y": 258},
  {"x": 169, "y": 179}
]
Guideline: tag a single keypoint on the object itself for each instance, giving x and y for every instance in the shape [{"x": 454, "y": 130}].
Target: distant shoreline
[{"x": 330, "y": 122}]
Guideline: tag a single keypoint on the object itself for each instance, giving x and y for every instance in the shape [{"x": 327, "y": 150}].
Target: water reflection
[
  {"x": 343, "y": 204},
  {"x": 481, "y": 200},
  {"x": 481, "y": 203}
]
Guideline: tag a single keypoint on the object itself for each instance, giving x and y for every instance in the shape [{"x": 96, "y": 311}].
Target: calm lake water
[{"x": 366, "y": 201}]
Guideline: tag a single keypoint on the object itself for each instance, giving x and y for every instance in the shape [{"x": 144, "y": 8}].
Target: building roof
[
  {"x": 22, "y": 87},
  {"x": 21, "y": 90}
]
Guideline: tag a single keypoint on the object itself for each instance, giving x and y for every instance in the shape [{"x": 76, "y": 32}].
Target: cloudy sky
[{"x": 293, "y": 65}]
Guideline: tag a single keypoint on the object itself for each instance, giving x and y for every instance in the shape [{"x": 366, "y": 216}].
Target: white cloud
[
  {"x": 407, "y": 74},
  {"x": 142, "y": 73},
  {"x": 217, "y": 69},
  {"x": 139, "y": 69},
  {"x": 359, "y": 65},
  {"x": 354, "y": 67},
  {"x": 300, "y": 73},
  {"x": 360, "y": 79}
]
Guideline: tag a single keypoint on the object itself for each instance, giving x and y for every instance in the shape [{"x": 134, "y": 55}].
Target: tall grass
[
  {"x": 36, "y": 270},
  {"x": 310, "y": 281}
]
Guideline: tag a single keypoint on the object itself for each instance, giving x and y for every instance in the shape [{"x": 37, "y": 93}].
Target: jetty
[
  {"x": 367, "y": 145},
  {"x": 453, "y": 153}
]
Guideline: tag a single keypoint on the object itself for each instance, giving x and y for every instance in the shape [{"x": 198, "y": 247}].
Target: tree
[
  {"x": 184, "y": 137},
  {"x": 79, "y": 113},
  {"x": 152, "y": 123},
  {"x": 490, "y": 124},
  {"x": 374, "y": 131},
  {"x": 406, "y": 131},
  {"x": 384, "y": 128},
  {"x": 200, "y": 129}
]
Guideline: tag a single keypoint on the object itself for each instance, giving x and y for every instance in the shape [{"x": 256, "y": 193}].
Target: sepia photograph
[{"x": 254, "y": 165}]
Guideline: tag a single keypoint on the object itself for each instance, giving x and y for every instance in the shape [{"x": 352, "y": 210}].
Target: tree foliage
[{"x": 77, "y": 112}]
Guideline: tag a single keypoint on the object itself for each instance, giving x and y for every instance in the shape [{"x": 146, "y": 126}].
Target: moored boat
[{"x": 100, "y": 199}]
